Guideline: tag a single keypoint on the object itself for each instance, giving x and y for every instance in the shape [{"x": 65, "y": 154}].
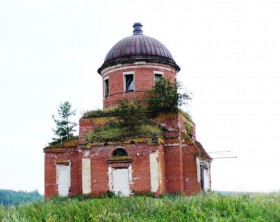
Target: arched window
[{"x": 119, "y": 152}]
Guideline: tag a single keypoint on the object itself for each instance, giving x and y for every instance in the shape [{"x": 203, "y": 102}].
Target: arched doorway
[{"x": 120, "y": 176}]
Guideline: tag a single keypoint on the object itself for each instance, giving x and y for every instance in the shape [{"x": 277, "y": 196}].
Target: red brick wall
[
  {"x": 86, "y": 125},
  {"x": 173, "y": 169},
  {"x": 50, "y": 176},
  {"x": 191, "y": 185},
  {"x": 112, "y": 101},
  {"x": 180, "y": 162},
  {"x": 143, "y": 79},
  {"x": 177, "y": 161},
  {"x": 162, "y": 163},
  {"x": 172, "y": 152},
  {"x": 53, "y": 155},
  {"x": 140, "y": 167},
  {"x": 99, "y": 171}
]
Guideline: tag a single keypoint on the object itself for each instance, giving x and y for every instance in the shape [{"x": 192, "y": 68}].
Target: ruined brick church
[{"x": 172, "y": 163}]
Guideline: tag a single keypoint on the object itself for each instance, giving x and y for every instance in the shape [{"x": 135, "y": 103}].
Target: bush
[
  {"x": 130, "y": 113},
  {"x": 166, "y": 96}
]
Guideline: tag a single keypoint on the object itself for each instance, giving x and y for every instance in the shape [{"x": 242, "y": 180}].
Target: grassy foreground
[{"x": 202, "y": 207}]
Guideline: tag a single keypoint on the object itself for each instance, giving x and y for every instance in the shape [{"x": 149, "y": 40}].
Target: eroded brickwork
[
  {"x": 163, "y": 165},
  {"x": 176, "y": 160}
]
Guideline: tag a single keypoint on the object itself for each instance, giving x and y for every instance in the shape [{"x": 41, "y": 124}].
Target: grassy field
[{"x": 202, "y": 207}]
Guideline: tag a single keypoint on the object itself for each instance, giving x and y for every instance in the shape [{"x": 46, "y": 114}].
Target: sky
[{"x": 228, "y": 51}]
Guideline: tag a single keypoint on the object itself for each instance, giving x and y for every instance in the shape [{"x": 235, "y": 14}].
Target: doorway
[
  {"x": 63, "y": 179},
  {"x": 121, "y": 182}
]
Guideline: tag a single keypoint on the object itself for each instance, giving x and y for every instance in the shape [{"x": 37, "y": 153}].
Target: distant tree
[
  {"x": 11, "y": 197},
  {"x": 64, "y": 127},
  {"x": 166, "y": 95}
]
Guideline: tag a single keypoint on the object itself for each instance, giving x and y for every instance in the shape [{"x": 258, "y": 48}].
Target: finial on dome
[{"x": 137, "y": 28}]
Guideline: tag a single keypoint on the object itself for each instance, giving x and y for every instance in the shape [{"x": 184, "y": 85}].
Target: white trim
[
  {"x": 198, "y": 169},
  {"x": 174, "y": 144},
  {"x": 120, "y": 67},
  {"x": 110, "y": 175},
  {"x": 129, "y": 73},
  {"x": 159, "y": 72},
  {"x": 137, "y": 63}
]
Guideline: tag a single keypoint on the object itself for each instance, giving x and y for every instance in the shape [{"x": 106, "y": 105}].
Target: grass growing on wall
[
  {"x": 209, "y": 207},
  {"x": 116, "y": 132}
]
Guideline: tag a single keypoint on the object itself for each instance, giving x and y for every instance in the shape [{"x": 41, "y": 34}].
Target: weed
[{"x": 201, "y": 207}]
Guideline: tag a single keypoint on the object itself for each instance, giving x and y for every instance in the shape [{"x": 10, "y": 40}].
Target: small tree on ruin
[
  {"x": 130, "y": 113},
  {"x": 64, "y": 127},
  {"x": 166, "y": 95}
]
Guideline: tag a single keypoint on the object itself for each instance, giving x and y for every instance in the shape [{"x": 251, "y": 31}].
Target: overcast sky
[{"x": 228, "y": 51}]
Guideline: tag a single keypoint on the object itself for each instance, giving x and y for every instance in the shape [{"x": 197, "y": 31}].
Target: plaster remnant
[
  {"x": 86, "y": 176},
  {"x": 198, "y": 169},
  {"x": 63, "y": 179},
  {"x": 110, "y": 175},
  {"x": 154, "y": 171}
]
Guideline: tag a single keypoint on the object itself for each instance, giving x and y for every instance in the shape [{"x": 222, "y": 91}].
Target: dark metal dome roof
[{"x": 138, "y": 47}]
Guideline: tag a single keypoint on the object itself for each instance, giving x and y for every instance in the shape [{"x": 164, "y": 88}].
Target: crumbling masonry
[{"x": 173, "y": 163}]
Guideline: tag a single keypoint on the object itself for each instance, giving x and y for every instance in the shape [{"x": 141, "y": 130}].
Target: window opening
[
  {"x": 158, "y": 77},
  {"x": 119, "y": 152},
  {"x": 106, "y": 88},
  {"x": 129, "y": 83}
]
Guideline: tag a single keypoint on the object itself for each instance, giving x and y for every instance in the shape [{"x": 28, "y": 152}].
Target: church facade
[{"x": 174, "y": 162}]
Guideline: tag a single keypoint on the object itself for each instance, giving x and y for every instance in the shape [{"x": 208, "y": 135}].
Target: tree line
[{"x": 11, "y": 197}]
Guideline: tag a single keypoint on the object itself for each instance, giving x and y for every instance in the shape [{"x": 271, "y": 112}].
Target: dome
[{"x": 138, "y": 47}]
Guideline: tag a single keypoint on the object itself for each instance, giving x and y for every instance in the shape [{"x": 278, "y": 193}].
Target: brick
[{"x": 176, "y": 156}]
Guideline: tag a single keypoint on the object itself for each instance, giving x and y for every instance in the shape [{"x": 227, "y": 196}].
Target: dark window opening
[
  {"x": 129, "y": 83},
  {"x": 106, "y": 87},
  {"x": 158, "y": 77},
  {"x": 119, "y": 152},
  {"x": 202, "y": 185}
]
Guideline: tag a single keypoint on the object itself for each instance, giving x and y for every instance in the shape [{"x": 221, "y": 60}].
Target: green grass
[
  {"x": 209, "y": 207},
  {"x": 99, "y": 113},
  {"x": 117, "y": 132}
]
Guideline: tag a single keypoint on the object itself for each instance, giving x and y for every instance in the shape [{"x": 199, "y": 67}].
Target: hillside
[
  {"x": 209, "y": 207},
  {"x": 11, "y": 197}
]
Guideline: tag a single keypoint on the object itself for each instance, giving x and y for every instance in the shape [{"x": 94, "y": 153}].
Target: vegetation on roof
[
  {"x": 114, "y": 131},
  {"x": 99, "y": 113},
  {"x": 167, "y": 95},
  {"x": 71, "y": 141},
  {"x": 133, "y": 120}
]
